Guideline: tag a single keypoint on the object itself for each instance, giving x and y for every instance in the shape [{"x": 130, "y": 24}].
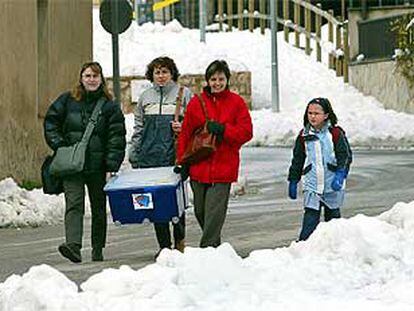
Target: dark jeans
[
  {"x": 74, "y": 189},
  {"x": 210, "y": 208},
  {"x": 162, "y": 231},
  {"x": 311, "y": 220}
]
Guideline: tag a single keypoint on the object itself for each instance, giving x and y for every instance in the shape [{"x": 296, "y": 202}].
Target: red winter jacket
[{"x": 229, "y": 109}]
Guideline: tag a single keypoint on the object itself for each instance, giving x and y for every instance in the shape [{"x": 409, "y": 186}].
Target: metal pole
[
  {"x": 115, "y": 51},
  {"x": 275, "y": 78},
  {"x": 163, "y": 16},
  {"x": 136, "y": 9},
  {"x": 203, "y": 20}
]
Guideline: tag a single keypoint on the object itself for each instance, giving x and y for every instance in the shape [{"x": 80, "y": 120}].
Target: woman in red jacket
[{"x": 211, "y": 178}]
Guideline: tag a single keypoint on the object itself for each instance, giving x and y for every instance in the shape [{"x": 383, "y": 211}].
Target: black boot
[
  {"x": 159, "y": 252},
  {"x": 70, "y": 251},
  {"x": 97, "y": 254}
]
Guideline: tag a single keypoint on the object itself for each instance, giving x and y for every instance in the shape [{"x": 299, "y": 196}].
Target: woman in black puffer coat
[{"x": 64, "y": 125}]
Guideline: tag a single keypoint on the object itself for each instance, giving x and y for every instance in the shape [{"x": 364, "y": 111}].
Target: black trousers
[
  {"x": 311, "y": 220},
  {"x": 163, "y": 233},
  {"x": 74, "y": 189}
]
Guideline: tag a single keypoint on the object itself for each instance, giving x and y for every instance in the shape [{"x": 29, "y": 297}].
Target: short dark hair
[
  {"x": 218, "y": 66},
  {"x": 162, "y": 61},
  {"x": 326, "y": 107}
]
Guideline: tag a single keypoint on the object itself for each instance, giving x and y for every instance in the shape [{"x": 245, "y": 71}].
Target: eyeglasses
[
  {"x": 315, "y": 113},
  {"x": 93, "y": 76}
]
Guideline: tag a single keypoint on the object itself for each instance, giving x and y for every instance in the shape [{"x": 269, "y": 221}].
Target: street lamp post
[
  {"x": 203, "y": 20},
  {"x": 275, "y": 78}
]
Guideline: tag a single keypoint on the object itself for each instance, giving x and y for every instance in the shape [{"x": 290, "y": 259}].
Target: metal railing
[{"x": 309, "y": 27}]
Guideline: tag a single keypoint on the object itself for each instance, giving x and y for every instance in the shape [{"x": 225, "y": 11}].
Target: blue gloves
[
  {"x": 339, "y": 178},
  {"x": 293, "y": 190}
]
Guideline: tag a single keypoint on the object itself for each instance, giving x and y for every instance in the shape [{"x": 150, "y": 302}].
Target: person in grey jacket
[{"x": 155, "y": 132}]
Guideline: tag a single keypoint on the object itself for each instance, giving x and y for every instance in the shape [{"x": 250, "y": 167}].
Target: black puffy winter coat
[{"x": 66, "y": 121}]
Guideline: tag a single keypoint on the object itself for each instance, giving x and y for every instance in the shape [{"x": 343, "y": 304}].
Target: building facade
[{"x": 42, "y": 46}]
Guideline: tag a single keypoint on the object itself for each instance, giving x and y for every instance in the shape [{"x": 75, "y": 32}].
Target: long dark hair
[
  {"x": 78, "y": 90},
  {"x": 162, "y": 61},
  {"x": 218, "y": 66},
  {"x": 326, "y": 107}
]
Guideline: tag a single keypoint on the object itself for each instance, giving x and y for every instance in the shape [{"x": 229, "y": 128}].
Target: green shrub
[
  {"x": 403, "y": 30},
  {"x": 30, "y": 184}
]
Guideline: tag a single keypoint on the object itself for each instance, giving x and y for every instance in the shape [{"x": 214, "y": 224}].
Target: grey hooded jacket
[{"x": 152, "y": 143}]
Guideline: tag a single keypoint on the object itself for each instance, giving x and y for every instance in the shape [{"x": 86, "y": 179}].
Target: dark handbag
[
  {"x": 70, "y": 160},
  {"x": 51, "y": 184},
  {"x": 202, "y": 143}
]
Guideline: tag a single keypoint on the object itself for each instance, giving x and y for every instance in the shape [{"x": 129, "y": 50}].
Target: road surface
[{"x": 262, "y": 218}]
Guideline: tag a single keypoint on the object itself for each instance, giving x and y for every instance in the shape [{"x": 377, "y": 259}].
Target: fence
[{"x": 298, "y": 16}]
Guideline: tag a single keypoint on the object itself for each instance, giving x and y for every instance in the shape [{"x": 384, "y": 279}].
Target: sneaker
[
  {"x": 97, "y": 254},
  {"x": 180, "y": 245},
  {"x": 70, "y": 251}
]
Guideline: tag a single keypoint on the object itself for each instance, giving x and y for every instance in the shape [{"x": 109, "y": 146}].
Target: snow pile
[
  {"x": 41, "y": 288},
  {"x": 19, "y": 207},
  {"x": 361, "y": 263}
]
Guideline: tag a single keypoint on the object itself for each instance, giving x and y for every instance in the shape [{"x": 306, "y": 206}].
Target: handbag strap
[
  {"x": 203, "y": 106},
  {"x": 178, "y": 103},
  {"x": 92, "y": 121}
]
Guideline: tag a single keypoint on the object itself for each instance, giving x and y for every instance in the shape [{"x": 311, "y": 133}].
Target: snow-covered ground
[{"x": 361, "y": 263}]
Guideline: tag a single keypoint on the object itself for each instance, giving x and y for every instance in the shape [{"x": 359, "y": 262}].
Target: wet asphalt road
[{"x": 262, "y": 218}]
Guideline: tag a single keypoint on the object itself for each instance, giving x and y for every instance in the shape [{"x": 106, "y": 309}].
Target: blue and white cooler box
[{"x": 148, "y": 194}]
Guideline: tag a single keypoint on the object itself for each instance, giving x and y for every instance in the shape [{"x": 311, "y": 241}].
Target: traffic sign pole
[
  {"x": 115, "y": 17},
  {"x": 115, "y": 51}
]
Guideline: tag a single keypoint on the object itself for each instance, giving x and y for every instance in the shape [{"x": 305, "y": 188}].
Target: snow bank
[
  {"x": 19, "y": 207},
  {"x": 361, "y": 263}
]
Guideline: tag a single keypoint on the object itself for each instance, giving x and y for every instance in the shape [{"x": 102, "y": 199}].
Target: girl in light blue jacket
[{"x": 322, "y": 155}]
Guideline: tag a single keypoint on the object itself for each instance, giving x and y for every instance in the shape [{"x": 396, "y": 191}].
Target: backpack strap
[
  {"x": 336, "y": 133},
  {"x": 302, "y": 140}
]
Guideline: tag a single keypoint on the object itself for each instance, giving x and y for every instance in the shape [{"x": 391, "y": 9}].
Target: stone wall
[
  {"x": 378, "y": 77},
  {"x": 240, "y": 82},
  {"x": 379, "y": 80}
]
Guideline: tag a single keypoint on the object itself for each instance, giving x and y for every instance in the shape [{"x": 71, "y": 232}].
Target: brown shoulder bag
[{"x": 202, "y": 143}]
